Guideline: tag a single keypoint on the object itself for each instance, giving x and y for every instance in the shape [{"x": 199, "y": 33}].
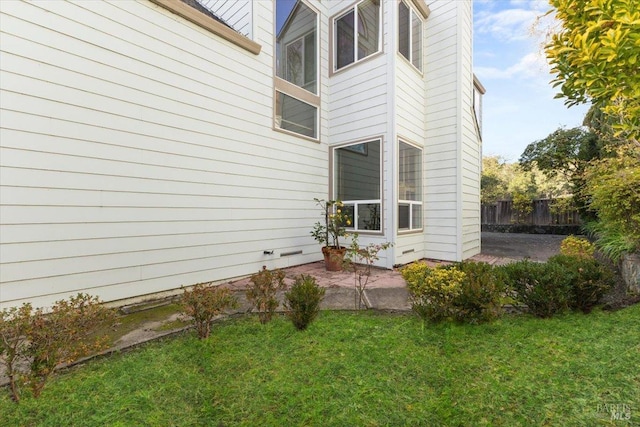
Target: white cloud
[
  {"x": 530, "y": 66},
  {"x": 510, "y": 24}
]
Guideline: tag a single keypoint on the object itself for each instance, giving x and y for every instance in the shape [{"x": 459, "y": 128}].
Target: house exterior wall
[{"x": 135, "y": 161}]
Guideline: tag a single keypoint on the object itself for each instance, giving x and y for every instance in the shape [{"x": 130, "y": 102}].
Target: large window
[
  {"x": 297, "y": 68},
  {"x": 351, "y": 44},
  {"x": 410, "y": 34},
  {"x": 357, "y": 183},
  {"x": 409, "y": 187}
]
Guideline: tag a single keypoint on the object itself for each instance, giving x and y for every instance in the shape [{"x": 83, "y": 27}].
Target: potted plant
[{"x": 328, "y": 233}]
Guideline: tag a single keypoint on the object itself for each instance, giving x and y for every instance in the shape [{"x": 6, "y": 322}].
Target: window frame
[
  {"x": 282, "y": 86},
  {"x": 420, "y": 16},
  {"x": 334, "y": 39},
  {"x": 419, "y": 191},
  {"x": 334, "y": 182}
]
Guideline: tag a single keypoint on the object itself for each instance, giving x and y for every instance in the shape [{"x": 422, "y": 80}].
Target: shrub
[
  {"x": 577, "y": 247},
  {"x": 433, "y": 290},
  {"x": 481, "y": 293},
  {"x": 262, "y": 293},
  {"x": 33, "y": 343},
  {"x": 543, "y": 287},
  {"x": 302, "y": 301},
  {"x": 589, "y": 280},
  {"x": 64, "y": 335},
  {"x": 203, "y": 303},
  {"x": 13, "y": 328}
]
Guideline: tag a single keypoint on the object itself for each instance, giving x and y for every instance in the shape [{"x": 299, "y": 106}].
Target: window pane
[
  {"x": 295, "y": 115},
  {"x": 416, "y": 216},
  {"x": 416, "y": 41},
  {"x": 403, "y": 29},
  {"x": 296, "y": 52},
  {"x": 403, "y": 216},
  {"x": 358, "y": 171},
  {"x": 310, "y": 69},
  {"x": 345, "y": 40},
  {"x": 368, "y": 27},
  {"x": 369, "y": 216},
  {"x": 410, "y": 172},
  {"x": 294, "y": 63}
]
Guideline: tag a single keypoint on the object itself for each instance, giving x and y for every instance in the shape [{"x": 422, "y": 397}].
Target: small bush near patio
[
  {"x": 262, "y": 293},
  {"x": 577, "y": 247},
  {"x": 432, "y": 291},
  {"x": 589, "y": 280},
  {"x": 482, "y": 291},
  {"x": 203, "y": 302},
  {"x": 360, "y": 369},
  {"x": 545, "y": 288},
  {"x": 302, "y": 301}
]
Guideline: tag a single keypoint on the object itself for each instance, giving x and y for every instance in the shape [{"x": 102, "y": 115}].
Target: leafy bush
[
  {"x": 43, "y": 340},
  {"x": 433, "y": 290},
  {"x": 14, "y": 323},
  {"x": 543, "y": 287},
  {"x": 577, "y": 247},
  {"x": 302, "y": 301},
  {"x": 481, "y": 293},
  {"x": 589, "y": 280},
  {"x": 203, "y": 303},
  {"x": 262, "y": 293}
]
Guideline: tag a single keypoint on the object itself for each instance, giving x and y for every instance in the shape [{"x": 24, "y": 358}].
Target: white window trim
[
  {"x": 334, "y": 183},
  {"x": 285, "y": 87},
  {"x": 420, "y": 16},
  {"x": 334, "y": 38}
]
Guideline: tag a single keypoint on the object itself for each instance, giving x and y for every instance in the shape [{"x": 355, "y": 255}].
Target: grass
[{"x": 359, "y": 368}]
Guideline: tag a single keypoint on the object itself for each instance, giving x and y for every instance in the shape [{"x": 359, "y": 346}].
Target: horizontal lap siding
[
  {"x": 135, "y": 160},
  {"x": 442, "y": 161},
  {"x": 471, "y": 147},
  {"x": 359, "y": 109}
]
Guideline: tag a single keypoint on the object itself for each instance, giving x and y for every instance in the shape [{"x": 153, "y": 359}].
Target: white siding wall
[
  {"x": 359, "y": 108},
  {"x": 237, "y": 13},
  {"x": 442, "y": 155},
  {"x": 471, "y": 146},
  {"x": 134, "y": 160}
]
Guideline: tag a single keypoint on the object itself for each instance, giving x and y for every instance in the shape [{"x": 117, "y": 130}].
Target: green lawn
[{"x": 360, "y": 369}]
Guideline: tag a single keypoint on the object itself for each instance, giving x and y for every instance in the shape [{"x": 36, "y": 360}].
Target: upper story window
[
  {"x": 478, "y": 92},
  {"x": 297, "y": 100},
  {"x": 410, "y": 34},
  {"x": 357, "y": 33}
]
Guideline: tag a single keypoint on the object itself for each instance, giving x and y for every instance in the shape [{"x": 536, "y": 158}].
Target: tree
[
  {"x": 564, "y": 154},
  {"x": 595, "y": 57}
]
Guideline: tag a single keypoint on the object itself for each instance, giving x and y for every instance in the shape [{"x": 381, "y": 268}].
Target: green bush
[
  {"x": 302, "y": 301},
  {"x": 543, "y": 287},
  {"x": 203, "y": 302},
  {"x": 262, "y": 293},
  {"x": 577, "y": 247},
  {"x": 481, "y": 293},
  {"x": 589, "y": 280},
  {"x": 433, "y": 291}
]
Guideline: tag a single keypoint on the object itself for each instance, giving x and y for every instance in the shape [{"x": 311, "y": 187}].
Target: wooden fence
[{"x": 502, "y": 212}]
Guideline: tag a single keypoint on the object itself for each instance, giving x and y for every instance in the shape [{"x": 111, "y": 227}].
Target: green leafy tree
[
  {"x": 563, "y": 155},
  {"x": 594, "y": 56}
]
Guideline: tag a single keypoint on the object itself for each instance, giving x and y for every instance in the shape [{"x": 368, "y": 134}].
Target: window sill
[{"x": 200, "y": 19}]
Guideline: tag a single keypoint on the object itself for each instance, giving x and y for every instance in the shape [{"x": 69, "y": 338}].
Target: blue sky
[{"x": 509, "y": 61}]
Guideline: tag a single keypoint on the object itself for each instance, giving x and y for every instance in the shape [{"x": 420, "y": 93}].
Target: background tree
[{"x": 594, "y": 55}]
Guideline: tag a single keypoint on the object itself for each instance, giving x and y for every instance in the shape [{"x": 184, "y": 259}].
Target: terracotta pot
[{"x": 333, "y": 257}]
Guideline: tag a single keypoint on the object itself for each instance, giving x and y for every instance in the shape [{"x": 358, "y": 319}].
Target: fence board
[{"x": 502, "y": 213}]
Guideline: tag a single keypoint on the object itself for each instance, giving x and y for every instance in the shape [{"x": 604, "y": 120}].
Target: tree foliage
[{"x": 595, "y": 57}]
